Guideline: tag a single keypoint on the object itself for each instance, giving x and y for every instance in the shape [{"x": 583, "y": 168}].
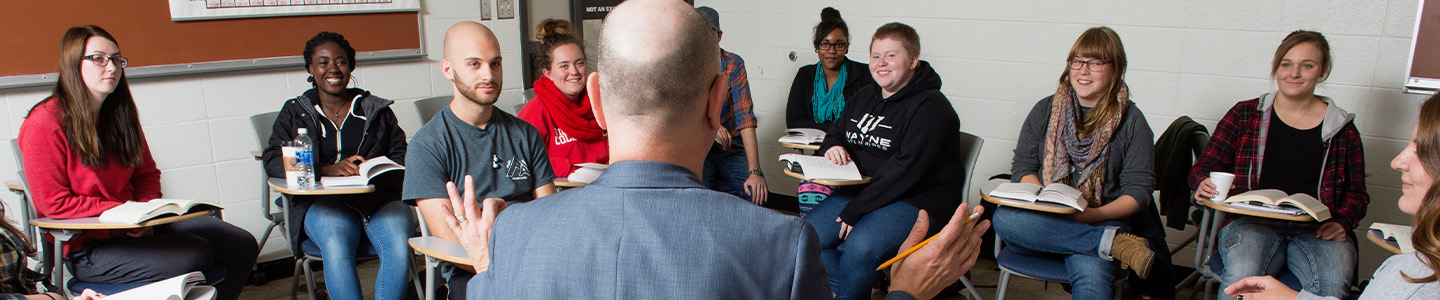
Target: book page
[
  {"x": 172, "y": 288},
  {"x": 803, "y": 136},
  {"x": 817, "y": 167},
  {"x": 1308, "y": 204},
  {"x": 1400, "y": 233},
  {"x": 1267, "y": 196},
  {"x": 1017, "y": 191},
  {"x": 131, "y": 212},
  {"x": 375, "y": 166},
  {"x": 1063, "y": 194}
]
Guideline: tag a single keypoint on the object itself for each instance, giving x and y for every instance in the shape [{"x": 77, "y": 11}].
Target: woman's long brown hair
[
  {"x": 114, "y": 130},
  {"x": 1427, "y": 218}
]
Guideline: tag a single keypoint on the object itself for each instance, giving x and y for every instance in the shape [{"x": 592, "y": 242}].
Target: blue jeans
[
  {"x": 1254, "y": 246},
  {"x": 851, "y": 262},
  {"x": 341, "y": 231},
  {"x": 1086, "y": 247},
  {"x": 726, "y": 171}
]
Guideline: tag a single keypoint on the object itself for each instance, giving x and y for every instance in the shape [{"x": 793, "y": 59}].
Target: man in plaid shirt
[{"x": 733, "y": 164}]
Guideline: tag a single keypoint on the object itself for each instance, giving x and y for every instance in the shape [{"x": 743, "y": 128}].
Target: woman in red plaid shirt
[{"x": 1305, "y": 144}]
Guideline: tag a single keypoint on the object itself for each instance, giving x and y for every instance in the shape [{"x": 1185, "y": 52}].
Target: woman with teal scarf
[{"x": 817, "y": 97}]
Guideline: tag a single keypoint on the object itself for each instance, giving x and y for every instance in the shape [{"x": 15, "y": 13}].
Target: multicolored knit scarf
[
  {"x": 826, "y": 105},
  {"x": 1068, "y": 154},
  {"x": 576, "y": 119}
]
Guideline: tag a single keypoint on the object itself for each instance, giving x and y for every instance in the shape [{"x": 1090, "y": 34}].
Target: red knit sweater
[
  {"x": 64, "y": 188},
  {"x": 564, "y": 151}
]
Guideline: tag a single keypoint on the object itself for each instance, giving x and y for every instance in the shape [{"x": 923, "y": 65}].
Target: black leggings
[{"x": 174, "y": 249}]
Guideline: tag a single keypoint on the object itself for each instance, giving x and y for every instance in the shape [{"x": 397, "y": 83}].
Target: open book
[
  {"x": 816, "y": 167},
  {"x": 803, "y": 136},
  {"x": 1058, "y": 193},
  {"x": 587, "y": 172},
  {"x": 1395, "y": 235},
  {"x": 184, "y": 287},
  {"x": 135, "y": 212},
  {"x": 368, "y": 170},
  {"x": 1273, "y": 200}
]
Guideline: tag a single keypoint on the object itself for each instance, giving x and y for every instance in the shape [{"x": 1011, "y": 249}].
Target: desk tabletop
[
  {"x": 801, "y": 176},
  {"x": 279, "y": 185},
  {"x": 566, "y": 183},
  {"x": 256, "y": 154},
  {"x": 810, "y": 147},
  {"x": 440, "y": 248},
  {"x": 1375, "y": 237},
  {"x": 94, "y": 222},
  {"x": 1036, "y": 206},
  {"x": 1255, "y": 213},
  {"x": 14, "y": 185}
]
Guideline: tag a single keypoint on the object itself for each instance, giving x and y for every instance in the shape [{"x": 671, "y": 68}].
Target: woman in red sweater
[
  {"x": 560, "y": 109},
  {"x": 84, "y": 153}
]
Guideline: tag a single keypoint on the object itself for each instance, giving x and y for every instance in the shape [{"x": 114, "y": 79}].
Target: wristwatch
[{"x": 757, "y": 172}]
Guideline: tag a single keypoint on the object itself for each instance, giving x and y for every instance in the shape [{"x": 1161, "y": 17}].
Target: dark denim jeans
[{"x": 850, "y": 263}]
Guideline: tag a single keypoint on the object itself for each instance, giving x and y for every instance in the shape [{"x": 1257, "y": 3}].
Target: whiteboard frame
[
  {"x": 194, "y": 10},
  {"x": 22, "y": 81},
  {"x": 1418, "y": 85}
]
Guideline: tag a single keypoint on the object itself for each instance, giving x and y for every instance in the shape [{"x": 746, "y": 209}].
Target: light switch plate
[
  {"x": 485, "y": 9},
  {"x": 507, "y": 9}
]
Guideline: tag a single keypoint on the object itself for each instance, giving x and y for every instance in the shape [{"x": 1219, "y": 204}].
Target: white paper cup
[{"x": 1222, "y": 181}]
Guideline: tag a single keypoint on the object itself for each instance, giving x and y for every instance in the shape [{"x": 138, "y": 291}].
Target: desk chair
[
  {"x": 52, "y": 261},
  {"x": 428, "y": 107},
  {"x": 264, "y": 124},
  {"x": 28, "y": 212},
  {"x": 970, "y": 146},
  {"x": 1211, "y": 266},
  {"x": 1040, "y": 267}
]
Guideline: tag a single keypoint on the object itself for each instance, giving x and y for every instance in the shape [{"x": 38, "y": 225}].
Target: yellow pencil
[{"x": 917, "y": 246}]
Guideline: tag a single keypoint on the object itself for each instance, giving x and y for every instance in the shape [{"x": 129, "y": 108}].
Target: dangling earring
[{"x": 311, "y": 80}]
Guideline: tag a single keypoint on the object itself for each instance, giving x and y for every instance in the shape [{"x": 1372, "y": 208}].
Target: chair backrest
[
  {"x": 1198, "y": 141},
  {"x": 428, "y": 107},
  {"x": 264, "y": 124},
  {"x": 970, "y": 150},
  {"x": 29, "y": 211}
]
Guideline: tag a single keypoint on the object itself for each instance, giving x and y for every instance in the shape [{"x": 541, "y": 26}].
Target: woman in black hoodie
[
  {"x": 346, "y": 127},
  {"x": 903, "y": 134}
]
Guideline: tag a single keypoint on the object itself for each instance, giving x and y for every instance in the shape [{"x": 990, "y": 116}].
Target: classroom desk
[
  {"x": 16, "y": 187},
  {"x": 440, "y": 248},
  {"x": 800, "y": 176},
  {"x": 279, "y": 185},
  {"x": 1375, "y": 237},
  {"x": 256, "y": 154},
  {"x": 563, "y": 182},
  {"x": 1255, "y": 213},
  {"x": 1035, "y": 206},
  {"x": 65, "y": 229}
]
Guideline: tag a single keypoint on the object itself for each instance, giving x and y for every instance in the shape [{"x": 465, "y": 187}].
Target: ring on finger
[{"x": 460, "y": 219}]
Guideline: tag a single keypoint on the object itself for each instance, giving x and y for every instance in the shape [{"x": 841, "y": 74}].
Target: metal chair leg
[
  {"x": 1004, "y": 282},
  {"x": 295, "y": 279},
  {"x": 974, "y": 294}
]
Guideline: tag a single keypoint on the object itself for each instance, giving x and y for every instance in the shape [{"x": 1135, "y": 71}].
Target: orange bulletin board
[{"x": 157, "y": 46}]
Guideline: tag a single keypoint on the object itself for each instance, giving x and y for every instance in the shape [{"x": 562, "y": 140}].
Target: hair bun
[
  {"x": 829, "y": 13},
  {"x": 552, "y": 27}
]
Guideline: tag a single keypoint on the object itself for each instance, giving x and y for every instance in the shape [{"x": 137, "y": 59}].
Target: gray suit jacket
[{"x": 649, "y": 230}]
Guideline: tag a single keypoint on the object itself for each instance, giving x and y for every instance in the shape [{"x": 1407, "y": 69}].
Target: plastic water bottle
[{"x": 299, "y": 157}]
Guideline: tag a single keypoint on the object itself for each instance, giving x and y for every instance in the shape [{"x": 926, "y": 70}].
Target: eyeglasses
[
  {"x": 833, "y": 46},
  {"x": 101, "y": 60},
  {"x": 1095, "y": 65}
]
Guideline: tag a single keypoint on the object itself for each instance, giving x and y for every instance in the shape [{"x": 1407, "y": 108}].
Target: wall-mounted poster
[
  {"x": 1423, "y": 74},
  {"x": 190, "y": 10}
]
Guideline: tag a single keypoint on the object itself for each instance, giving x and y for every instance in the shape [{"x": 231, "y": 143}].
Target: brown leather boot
[{"x": 1133, "y": 252}]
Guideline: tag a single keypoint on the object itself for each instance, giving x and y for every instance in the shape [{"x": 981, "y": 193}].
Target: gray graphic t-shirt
[{"x": 507, "y": 158}]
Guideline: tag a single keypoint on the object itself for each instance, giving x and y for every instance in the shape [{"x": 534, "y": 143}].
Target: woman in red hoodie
[
  {"x": 84, "y": 153},
  {"x": 560, "y": 109}
]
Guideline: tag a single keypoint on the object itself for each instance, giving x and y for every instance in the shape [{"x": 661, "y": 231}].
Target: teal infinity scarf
[{"x": 826, "y": 105}]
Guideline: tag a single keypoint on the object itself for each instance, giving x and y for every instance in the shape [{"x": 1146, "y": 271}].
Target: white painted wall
[
  {"x": 199, "y": 129},
  {"x": 1194, "y": 58},
  {"x": 1191, "y": 58}
]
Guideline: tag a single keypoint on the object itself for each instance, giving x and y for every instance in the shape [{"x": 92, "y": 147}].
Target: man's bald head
[
  {"x": 658, "y": 58},
  {"x": 469, "y": 34}
]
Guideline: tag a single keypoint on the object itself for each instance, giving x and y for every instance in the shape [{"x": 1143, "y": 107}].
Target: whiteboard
[
  {"x": 1422, "y": 73},
  {"x": 191, "y": 10}
]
